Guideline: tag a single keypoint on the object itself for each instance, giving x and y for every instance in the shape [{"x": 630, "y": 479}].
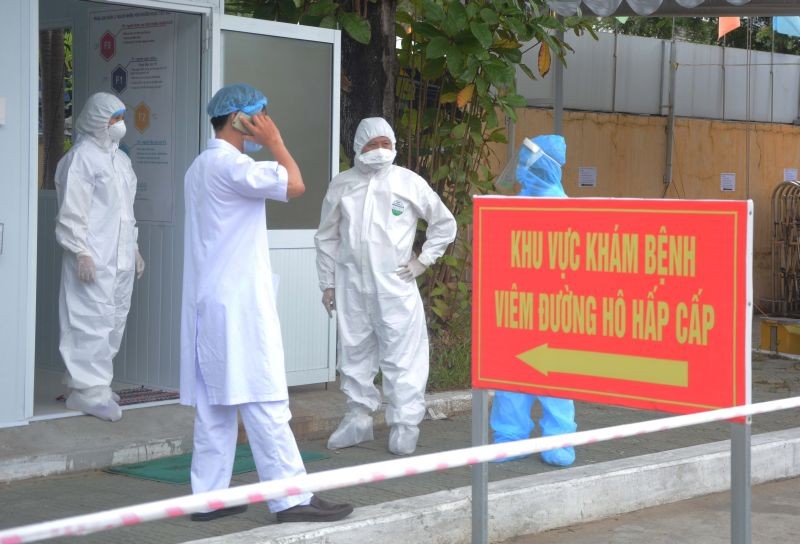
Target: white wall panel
[
  {"x": 639, "y": 67},
  {"x": 704, "y": 88},
  {"x": 307, "y": 331},
  {"x": 17, "y": 194},
  {"x": 698, "y": 87},
  {"x": 588, "y": 78},
  {"x": 786, "y": 92}
]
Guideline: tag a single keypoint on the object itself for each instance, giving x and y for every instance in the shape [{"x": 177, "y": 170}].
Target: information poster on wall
[
  {"x": 132, "y": 55},
  {"x": 637, "y": 303}
]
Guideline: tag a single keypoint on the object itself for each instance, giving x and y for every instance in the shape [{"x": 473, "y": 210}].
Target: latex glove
[
  {"x": 329, "y": 300},
  {"x": 409, "y": 271},
  {"x": 139, "y": 265},
  {"x": 86, "y": 269}
]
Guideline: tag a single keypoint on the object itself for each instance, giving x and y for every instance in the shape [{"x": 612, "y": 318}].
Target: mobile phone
[{"x": 238, "y": 125}]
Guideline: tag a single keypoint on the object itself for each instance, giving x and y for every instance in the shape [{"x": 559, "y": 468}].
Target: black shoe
[
  {"x": 317, "y": 510},
  {"x": 221, "y": 513}
]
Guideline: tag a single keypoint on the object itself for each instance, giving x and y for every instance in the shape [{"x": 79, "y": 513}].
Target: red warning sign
[{"x": 639, "y": 303}]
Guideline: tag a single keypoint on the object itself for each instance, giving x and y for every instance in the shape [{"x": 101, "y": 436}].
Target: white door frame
[{"x": 25, "y": 352}]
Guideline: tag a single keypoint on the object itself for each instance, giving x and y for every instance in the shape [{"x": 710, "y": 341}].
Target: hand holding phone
[{"x": 238, "y": 125}]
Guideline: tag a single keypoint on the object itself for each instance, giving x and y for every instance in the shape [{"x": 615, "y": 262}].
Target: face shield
[{"x": 535, "y": 170}]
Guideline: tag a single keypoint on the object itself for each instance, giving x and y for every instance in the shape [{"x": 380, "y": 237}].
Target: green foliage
[
  {"x": 704, "y": 30},
  {"x": 458, "y": 62},
  {"x": 451, "y": 357},
  {"x": 319, "y": 13}
]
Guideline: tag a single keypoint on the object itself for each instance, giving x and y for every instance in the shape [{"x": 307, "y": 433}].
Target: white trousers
[
  {"x": 388, "y": 333},
  {"x": 271, "y": 439},
  {"x": 92, "y": 320}
]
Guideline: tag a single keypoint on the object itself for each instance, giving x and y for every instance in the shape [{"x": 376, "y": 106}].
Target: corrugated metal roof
[{"x": 681, "y": 8}]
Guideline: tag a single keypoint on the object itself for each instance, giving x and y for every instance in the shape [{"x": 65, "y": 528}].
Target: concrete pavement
[{"x": 776, "y": 518}]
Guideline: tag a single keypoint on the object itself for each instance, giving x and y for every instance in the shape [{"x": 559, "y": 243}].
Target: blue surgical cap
[
  {"x": 539, "y": 166},
  {"x": 236, "y": 97}
]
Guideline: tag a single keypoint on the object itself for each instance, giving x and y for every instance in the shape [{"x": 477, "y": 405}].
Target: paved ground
[{"x": 775, "y": 518}]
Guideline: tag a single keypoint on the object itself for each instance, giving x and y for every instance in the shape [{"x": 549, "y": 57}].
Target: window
[{"x": 55, "y": 101}]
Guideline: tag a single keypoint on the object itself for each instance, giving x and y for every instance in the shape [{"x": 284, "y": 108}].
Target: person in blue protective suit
[{"x": 538, "y": 171}]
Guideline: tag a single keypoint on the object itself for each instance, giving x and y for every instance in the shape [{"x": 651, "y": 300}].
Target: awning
[{"x": 677, "y": 8}]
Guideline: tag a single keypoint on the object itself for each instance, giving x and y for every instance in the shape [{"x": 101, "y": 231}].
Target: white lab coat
[
  {"x": 367, "y": 229},
  {"x": 229, "y": 322},
  {"x": 96, "y": 187}
]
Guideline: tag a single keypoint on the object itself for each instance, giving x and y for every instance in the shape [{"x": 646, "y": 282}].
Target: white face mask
[
  {"x": 378, "y": 158},
  {"x": 117, "y": 131}
]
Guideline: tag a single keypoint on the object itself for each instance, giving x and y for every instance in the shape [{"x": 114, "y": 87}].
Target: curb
[{"x": 545, "y": 501}]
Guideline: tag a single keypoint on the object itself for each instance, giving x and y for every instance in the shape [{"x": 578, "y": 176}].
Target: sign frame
[{"x": 491, "y": 359}]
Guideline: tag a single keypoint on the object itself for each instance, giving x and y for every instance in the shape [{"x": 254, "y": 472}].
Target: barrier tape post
[
  {"x": 480, "y": 471},
  {"x": 361, "y": 474}
]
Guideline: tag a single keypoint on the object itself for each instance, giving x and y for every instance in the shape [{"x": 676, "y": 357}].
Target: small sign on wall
[
  {"x": 790, "y": 174},
  {"x": 727, "y": 182},
  {"x": 587, "y": 176}
]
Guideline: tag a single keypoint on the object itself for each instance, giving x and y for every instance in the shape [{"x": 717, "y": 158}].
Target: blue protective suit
[{"x": 539, "y": 173}]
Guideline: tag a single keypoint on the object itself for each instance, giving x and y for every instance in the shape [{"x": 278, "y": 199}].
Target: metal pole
[
  {"x": 740, "y": 483},
  {"x": 772, "y": 80},
  {"x": 673, "y": 55},
  {"x": 614, "y": 75},
  {"x": 558, "y": 91},
  {"x": 480, "y": 471},
  {"x": 747, "y": 109}
]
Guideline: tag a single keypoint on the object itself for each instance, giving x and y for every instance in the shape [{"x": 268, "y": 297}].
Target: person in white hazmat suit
[
  {"x": 367, "y": 274},
  {"x": 96, "y": 186},
  {"x": 231, "y": 347}
]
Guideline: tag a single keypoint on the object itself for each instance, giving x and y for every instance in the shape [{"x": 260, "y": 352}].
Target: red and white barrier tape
[{"x": 361, "y": 474}]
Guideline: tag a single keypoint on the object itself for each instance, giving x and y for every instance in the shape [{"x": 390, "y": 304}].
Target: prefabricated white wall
[
  {"x": 17, "y": 187},
  {"x": 150, "y": 351},
  {"x": 630, "y": 74}
]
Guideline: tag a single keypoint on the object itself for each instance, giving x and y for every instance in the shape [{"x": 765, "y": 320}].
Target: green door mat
[{"x": 177, "y": 469}]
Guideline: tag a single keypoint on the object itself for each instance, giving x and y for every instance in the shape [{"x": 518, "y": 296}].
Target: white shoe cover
[
  {"x": 403, "y": 439},
  {"x": 95, "y": 401},
  {"x": 356, "y": 427}
]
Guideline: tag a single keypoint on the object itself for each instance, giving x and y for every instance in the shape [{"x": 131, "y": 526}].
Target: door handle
[{"x": 1, "y": 238}]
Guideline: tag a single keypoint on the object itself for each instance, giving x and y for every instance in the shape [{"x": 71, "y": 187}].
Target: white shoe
[
  {"x": 356, "y": 427},
  {"x": 95, "y": 401},
  {"x": 403, "y": 439}
]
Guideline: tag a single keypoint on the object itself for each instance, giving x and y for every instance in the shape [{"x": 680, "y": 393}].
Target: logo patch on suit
[{"x": 398, "y": 207}]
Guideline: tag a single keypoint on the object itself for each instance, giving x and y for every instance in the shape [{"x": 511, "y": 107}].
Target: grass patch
[{"x": 451, "y": 356}]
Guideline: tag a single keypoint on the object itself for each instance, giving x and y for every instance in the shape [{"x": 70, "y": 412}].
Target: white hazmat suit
[
  {"x": 365, "y": 237},
  {"x": 95, "y": 225}
]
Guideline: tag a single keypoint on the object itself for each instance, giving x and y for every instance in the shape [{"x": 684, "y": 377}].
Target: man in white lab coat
[
  {"x": 367, "y": 273},
  {"x": 95, "y": 225},
  {"x": 231, "y": 348}
]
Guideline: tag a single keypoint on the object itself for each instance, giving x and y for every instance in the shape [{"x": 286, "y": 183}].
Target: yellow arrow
[{"x": 607, "y": 365}]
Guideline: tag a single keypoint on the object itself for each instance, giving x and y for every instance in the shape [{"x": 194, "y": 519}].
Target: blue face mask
[{"x": 252, "y": 147}]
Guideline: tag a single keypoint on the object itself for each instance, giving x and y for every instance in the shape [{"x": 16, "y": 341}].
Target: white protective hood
[{"x": 93, "y": 119}]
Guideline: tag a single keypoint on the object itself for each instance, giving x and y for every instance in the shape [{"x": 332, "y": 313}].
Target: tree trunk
[
  {"x": 51, "y": 44},
  {"x": 369, "y": 72}
]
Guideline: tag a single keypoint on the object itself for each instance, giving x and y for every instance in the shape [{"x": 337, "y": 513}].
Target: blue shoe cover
[
  {"x": 499, "y": 439},
  {"x": 560, "y": 457}
]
